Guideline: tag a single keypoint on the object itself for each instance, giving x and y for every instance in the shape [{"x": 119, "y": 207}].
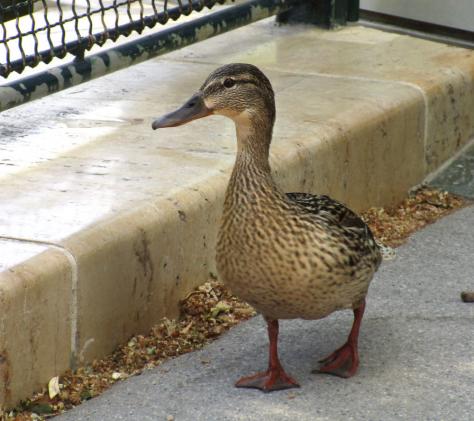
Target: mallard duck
[{"x": 294, "y": 255}]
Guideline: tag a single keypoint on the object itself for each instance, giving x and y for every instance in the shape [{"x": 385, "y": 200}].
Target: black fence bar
[
  {"x": 142, "y": 49},
  {"x": 81, "y": 43}
]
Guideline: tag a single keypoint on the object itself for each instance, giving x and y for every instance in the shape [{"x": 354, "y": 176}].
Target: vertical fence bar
[
  {"x": 89, "y": 19},
  {"x": 105, "y": 33},
  {"x": 48, "y": 30},
  {"x": 35, "y": 37},
  {"x": 4, "y": 40},
  {"x": 116, "y": 25},
  {"x": 63, "y": 30},
  {"x": 20, "y": 38}
]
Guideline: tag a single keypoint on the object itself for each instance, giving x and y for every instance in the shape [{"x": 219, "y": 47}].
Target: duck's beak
[{"x": 193, "y": 109}]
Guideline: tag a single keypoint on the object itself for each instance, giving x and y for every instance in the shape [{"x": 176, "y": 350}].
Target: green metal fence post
[
  {"x": 22, "y": 10},
  {"x": 326, "y": 13},
  {"x": 353, "y": 10}
]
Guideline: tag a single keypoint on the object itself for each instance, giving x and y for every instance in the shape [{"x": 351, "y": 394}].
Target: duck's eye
[{"x": 228, "y": 83}]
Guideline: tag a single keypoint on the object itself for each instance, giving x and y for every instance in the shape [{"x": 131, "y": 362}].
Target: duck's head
[{"x": 238, "y": 91}]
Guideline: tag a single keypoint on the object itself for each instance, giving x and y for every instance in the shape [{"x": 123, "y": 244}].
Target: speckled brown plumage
[{"x": 292, "y": 255}]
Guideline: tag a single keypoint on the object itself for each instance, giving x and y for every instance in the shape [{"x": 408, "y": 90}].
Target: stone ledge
[{"x": 120, "y": 222}]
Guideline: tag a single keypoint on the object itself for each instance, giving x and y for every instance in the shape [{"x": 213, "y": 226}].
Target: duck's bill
[{"x": 193, "y": 109}]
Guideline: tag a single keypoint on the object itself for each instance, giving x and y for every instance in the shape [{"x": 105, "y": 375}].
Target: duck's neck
[
  {"x": 253, "y": 146},
  {"x": 251, "y": 176}
]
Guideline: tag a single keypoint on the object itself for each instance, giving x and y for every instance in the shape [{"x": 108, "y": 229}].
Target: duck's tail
[{"x": 387, "y": 252}]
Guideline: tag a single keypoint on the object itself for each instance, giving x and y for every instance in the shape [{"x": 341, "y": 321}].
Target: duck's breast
[{"x": 290, "y": 270}]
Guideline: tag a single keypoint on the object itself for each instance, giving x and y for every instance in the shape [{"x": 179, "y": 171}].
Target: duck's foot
[
  {"x": 342, "y": 363},
  {"x": 268, "y": 381},
  {"x": 275, "y": 377}
]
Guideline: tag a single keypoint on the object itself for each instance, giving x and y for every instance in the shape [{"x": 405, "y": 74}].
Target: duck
[{"x": 289, "y": 255}]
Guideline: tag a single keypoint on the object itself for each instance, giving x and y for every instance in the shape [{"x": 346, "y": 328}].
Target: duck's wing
[
  {"x": 336, "y": 213},
  {"x": 330, "y": 209}
]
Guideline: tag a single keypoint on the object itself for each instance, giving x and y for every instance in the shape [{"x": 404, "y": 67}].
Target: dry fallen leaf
[
  {"x": 116, "y": 375},
  {"x": 220, "y": 307},
  {"x": 53, "y": 387},
  {"x": 186, "y": 328},
  {"x": 291, "y": 395}
]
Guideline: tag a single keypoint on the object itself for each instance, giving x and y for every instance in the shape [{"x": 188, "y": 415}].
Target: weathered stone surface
[{"x": 36, "y": 317}]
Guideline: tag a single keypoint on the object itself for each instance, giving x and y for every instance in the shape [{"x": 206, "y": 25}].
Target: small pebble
[
  {"x": 467, "y": 297},
  {"x": 170, "y": 418}
]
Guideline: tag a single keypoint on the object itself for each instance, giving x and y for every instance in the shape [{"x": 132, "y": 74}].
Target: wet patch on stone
[{"x": 458, "y": 177}]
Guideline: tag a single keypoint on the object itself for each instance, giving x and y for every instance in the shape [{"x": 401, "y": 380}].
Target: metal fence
[
  {"x": 38, "y": 31},
  {"x": 35, "y": 31}
]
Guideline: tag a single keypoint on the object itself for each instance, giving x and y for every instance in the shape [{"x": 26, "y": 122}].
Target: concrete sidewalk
[{"x": 416, "y": 345}]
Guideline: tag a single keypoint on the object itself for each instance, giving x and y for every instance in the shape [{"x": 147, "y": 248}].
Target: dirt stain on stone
[
  {"x": 182, "y": 215},
  {"x": 5, "y": 375},
  {"x": 142, "y": 252}
]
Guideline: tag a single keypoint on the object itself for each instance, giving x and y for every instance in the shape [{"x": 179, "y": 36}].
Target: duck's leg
[
  {"x": 345, "y": 360},
  {"x": 275, "y": 377}
]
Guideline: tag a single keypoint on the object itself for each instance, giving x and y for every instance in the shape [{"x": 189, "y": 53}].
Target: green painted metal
[
  {"x": 20, "y": 10},
  {"x": 325, "y": 13},
  {"x": 144, "y": 48},
  {"x": 353, "y": 10}
]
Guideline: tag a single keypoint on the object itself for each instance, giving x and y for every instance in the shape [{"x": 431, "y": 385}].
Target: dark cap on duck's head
[{"x": 238, "y": 91}]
